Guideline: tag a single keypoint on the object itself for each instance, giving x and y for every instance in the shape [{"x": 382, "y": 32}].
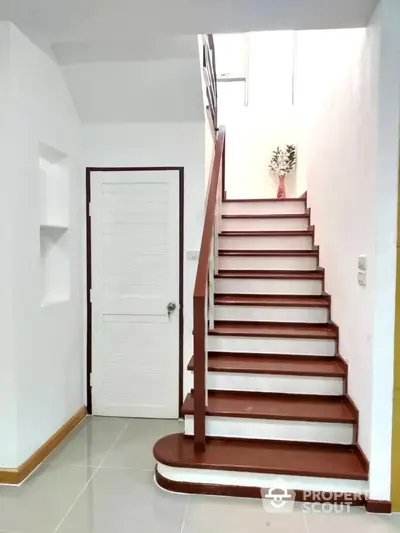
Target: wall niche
[{"x": 54, "y": 224}]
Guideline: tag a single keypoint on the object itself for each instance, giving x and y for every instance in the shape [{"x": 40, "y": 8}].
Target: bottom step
[{"x": 234, "y": 467}]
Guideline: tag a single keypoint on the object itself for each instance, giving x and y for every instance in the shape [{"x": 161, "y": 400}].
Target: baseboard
[
  {"x": 378, "y": 506},
  {"x": 15, "y": 476},
  {"x": 362, "y": 457}
]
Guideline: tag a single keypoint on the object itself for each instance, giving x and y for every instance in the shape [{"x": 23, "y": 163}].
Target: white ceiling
[
  {"x": 137, "y": 60},
  {"x": 81, "y": 30}
]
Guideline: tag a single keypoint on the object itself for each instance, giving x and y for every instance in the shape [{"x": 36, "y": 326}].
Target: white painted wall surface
[
  {"x": 337, "y": 89},
  {"x": 47, "y": 346},
  {"x": 8, "y": 406},
  {"x": 348, "y": 157},
  {"x": 130, "y": 91},
  {"x": 387, "y": 22},
  {"x": 269, "y": 120},
  {"x": 162, "y": 144}
]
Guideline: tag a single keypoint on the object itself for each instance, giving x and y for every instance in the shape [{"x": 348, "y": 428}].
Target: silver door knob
[{"x": 171, "y": 308}]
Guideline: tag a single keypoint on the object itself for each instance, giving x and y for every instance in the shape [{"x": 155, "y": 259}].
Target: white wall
[
  {"x": 137, "y": 91},
  {"x": 8, "y": 406},
  {"x": 385, "y": 234},
  {"x": 47, "y": 347},
  {"x": 337, "y": 161},
  {"x": 348, "y": 159},
  {"x": 269, "y": 120},
  {"x": 163, "y": 144}
]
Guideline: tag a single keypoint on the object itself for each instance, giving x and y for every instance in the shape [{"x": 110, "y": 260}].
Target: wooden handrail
[{"x": 200, "y": 292}]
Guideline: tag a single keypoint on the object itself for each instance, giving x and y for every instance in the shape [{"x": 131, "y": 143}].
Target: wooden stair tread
[
  {"x": 266, "y": 457},
  {"x": 271, "y": 216},
  {"x": 280, "y": 329},
  {"x": 268, "y": 253},
  {"x": 271, "y": 300},
  {"x": 295, "y": 365},
  {"x": 313, "y": 408},
  {"x": 270, "y": 233},
  {"x": 271, "y": 274},
  {"x": 274, "y": 200}
]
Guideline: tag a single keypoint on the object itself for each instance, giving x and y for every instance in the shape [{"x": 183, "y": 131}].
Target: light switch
[
  {"x": 362, "y": 262},
  {"x": 192, "y": 255}
]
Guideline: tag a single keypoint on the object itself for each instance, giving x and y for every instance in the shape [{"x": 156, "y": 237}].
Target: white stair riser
[
  {"x": 266, "y": 263},
  {"x": 271, "y": 345},
  {"x": 233, "y": 381},
  {"x": 264, "y": 224},
  {"x": 291, "y": 430},
  {"x": 243, "y": 313},
  {"x": 263, "y": 208},
  {"x": 294, "y": 286},
  {"x": 251, "y": 479},
  {"x": 265, "y": 243}
]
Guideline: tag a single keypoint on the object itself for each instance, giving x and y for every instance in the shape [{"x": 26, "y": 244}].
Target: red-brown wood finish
[
  {"x": 269, "y": 233},
  {"x": 269, "y": 253},
  {"x": 200, "y": 292},
  {"x": 263, "y": 456},
  {"x": 271, "y": 274},
  {"x": 267, "y": 300},
  {"x": 378, "y": 506},
  {"x": 271, "y": 329},
  {"x": 294, "y": 365},
  {"x": 274, "y": 406},
  {"x": 258, "y": 456},
  {"x": 271, "y": 216}
]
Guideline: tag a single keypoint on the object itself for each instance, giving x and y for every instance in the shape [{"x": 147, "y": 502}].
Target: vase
[{"x": 281, "y": 187}]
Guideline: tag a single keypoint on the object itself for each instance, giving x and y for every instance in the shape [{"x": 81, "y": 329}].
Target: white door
[{"x": 135, "y": 275}]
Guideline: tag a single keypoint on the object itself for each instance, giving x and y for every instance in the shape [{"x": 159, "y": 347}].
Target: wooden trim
[
  {"x": 15, "y": 476},
  {"x": 181, "y": 172},
  {"x": 275, "y": 457},
  {"x": 363, "y": 458},
  {"x": 343, "y": 363},
  {"x": 304, "y": 196},
  {"x": 269, "y": 253},
  {"x": 200, "y": 291},
  {"x": 88, "y": 302},
  {"x": 281, "y": 368},
  {"x": 249, "y": 300},
  {"x": 378, "y": 506},
  {"x": 357, "y": 414},
  {"x": 181, "y": 283},
  {"x": 236, "y": 200},
  {"x": 271, "y": 233},
  {"x": 279, "y": 216},
  {"x": 234, "y": 404},
  {"x": 244, "y": 492},
  {"x": 270, "y": 274}
]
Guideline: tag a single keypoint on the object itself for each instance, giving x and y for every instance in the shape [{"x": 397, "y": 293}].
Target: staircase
[{"x": 269, "y": 396}]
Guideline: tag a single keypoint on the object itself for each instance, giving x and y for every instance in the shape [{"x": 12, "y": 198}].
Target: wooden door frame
[
  {"x": 395, "y": 478},
  {"x": 89, "y": 170}
]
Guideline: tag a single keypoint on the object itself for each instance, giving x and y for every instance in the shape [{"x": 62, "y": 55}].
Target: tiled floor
[{"x": 101, "y": 481}]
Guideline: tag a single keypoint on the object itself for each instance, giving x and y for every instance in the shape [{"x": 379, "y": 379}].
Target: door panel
[{"x": 135, "y": 275}]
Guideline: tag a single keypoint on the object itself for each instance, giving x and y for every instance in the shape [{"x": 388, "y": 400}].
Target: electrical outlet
[{"x": 362, "y": 278}]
